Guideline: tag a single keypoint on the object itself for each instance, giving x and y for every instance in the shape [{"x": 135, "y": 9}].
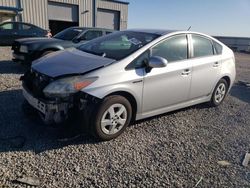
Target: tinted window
[
  {"x": 218, "y": 48},
  {"x": 68, "y": 34},
  {"x": 172, "y": 49},
  {"x": 108, "y": 32},
  {"x": 202, "y": 46},
  {"x": 7, "y": 26},
  {"x": 24, "y": 26},
  {"x": 89, "y": 35},
  {"x": 118, "y": 45}
]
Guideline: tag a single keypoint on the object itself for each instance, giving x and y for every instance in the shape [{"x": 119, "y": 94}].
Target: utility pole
[{"x": 19, "y": 6}]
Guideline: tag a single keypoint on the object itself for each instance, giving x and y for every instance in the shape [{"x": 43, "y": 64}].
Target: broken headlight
[{"x": 66, "y": 86}]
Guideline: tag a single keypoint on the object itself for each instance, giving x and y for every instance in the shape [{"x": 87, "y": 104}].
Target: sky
[{"x": 213, "y": 17}]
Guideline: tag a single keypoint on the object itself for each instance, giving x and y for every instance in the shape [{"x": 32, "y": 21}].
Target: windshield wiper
[{"x": 95, "y": 53}]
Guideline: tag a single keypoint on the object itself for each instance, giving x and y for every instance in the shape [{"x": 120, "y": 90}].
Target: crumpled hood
[
  {"x": 28, "y": 41},
  {"x": 68, "y": 62}
]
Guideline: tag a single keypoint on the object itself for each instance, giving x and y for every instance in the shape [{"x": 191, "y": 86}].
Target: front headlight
[
  {"x": 67, "y": 86},
  {"x": 24, "y": 49}
]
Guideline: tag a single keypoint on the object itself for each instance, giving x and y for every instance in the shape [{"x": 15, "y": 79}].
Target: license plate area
[{"x": 39, "y": 105}]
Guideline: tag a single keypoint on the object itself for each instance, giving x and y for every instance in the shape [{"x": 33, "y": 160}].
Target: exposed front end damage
[{"x": 53, "y": 110}]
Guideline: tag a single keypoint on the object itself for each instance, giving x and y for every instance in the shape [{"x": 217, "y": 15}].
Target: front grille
[
  {"x": 16, "y": 47},
  {"x": 35, "y": 83}
]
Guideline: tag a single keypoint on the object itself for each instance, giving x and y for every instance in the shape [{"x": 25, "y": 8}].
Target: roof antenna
[{"x": 189, "y": 28}]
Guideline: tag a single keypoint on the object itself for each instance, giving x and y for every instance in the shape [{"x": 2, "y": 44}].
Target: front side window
[
  {"x": 202, "y": 46},
  {"x": 24, "y": 27},
  {"x": 172, "y": 49},
  {"x": 89, "y": 35},
  {"x": 140, "y": 61},
  {"x": 118, "y": 45}
]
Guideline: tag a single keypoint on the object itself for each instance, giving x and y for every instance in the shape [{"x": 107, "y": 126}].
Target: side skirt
[{"x": 173, "y": 107}]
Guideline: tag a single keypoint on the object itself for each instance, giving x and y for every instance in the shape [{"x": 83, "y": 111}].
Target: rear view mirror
[{"x": 157, "y": 62}]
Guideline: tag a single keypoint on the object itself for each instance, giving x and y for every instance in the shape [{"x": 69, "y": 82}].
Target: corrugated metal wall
[
  {"x": 76, "y": 2},
  {"x": 36, "y": 11},
  {"x": 11, "y": 3},
  {"x": 123, "y": 8}
]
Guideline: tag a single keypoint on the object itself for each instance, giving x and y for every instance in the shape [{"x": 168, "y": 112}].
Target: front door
[{"x": 168, "y": 86}]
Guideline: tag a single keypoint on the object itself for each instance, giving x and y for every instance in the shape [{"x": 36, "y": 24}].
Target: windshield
[
  {"x": 118, "y": 45},
  {"x": 68, "y": 34}
]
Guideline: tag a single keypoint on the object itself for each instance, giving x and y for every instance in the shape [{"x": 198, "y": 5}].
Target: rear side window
[
  {"x": 202, "y": 46},
  {"x": 217, "y": 47},
  {"x": 172, "y": 49},
  {"x": 7, "y": 26}
]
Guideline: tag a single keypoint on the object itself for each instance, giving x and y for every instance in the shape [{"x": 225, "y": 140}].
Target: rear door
[
  {"x": 205, "y": 66},
  {"x": 8, "y": 33}
]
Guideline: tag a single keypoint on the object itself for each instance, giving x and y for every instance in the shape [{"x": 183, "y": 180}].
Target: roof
[
  {"x": 118, "y": 1},
  {"x": 13, "y": 9},
  {"x": 153, "y": 31}
]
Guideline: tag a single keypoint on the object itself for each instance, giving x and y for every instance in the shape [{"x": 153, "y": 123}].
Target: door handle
[
  {"x": 186, "y": 72},
  {"x": 216, "y": 64}
]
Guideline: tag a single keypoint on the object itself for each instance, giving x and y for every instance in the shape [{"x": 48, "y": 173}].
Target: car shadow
[
  {"x": 241, "y": 92},
  {"x": 10, "y": 67},
  {"x": 238, "y": 91},
  {"x": 20, "y": 132}
]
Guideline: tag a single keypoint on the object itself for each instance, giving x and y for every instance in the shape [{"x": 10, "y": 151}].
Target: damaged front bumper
[{"x": 50, "y": 111}]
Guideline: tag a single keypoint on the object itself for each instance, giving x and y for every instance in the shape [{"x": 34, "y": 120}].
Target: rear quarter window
[{"x": 217, "y": 47}]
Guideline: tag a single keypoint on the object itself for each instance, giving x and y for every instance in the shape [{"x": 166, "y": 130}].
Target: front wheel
[
  {"x": 46, "y": 53},
  {"x": 219, "y": 93},
  {"x": 111, "y": 118}
]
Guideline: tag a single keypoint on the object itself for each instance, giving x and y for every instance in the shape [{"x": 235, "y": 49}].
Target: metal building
[
  {"x": 59, "y": 14},
  {"x": 237, "y": 44}
]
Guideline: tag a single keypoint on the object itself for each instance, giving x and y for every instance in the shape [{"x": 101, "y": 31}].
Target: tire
[
  {"x": 111, "y": 118},
  {"x": 27, "y": 109},
  {"x": 46, "y": 53},
  {"x": 219, "y": 93}
]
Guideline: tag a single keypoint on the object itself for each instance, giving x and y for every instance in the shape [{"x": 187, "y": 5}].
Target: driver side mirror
[{"x": 155, "y": 62}]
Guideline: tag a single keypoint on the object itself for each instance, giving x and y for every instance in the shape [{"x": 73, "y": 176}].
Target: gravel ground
[{"x": 178, "y": 149}]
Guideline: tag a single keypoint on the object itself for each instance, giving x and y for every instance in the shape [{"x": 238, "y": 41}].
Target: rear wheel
[
  {"x": 111, "y": 118},
  {"x": 219, "y": 93}
]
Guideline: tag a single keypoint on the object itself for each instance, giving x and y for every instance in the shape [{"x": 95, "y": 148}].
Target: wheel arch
[
  {"x": 131, "y": 100},
  {"x": 228, "y": 80}
]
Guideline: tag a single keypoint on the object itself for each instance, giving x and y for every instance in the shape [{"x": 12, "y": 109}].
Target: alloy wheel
[
  {"x": 114, "y": 119},
  {"x": 220, "y": 93}
]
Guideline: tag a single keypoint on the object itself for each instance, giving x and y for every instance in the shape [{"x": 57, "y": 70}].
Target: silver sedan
[{"x": 129, "y": 75}]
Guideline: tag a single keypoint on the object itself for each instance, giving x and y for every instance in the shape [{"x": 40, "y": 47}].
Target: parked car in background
[
  {"x": 29, "y": 49},
  {"x": 129, "y": 75},
  {"x": 10, "y": 31}
]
